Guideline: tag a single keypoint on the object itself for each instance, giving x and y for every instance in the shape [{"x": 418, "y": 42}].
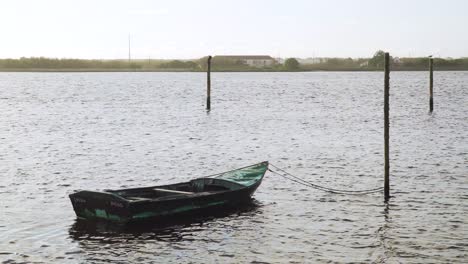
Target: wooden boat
[{"x": 230, "y": 188}]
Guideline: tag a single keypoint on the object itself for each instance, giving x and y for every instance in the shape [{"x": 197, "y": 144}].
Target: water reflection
[
  {"x": 167, "y": 229},
  {"x": 383, "y": 234},
  {"x": 174, "y": 239}
]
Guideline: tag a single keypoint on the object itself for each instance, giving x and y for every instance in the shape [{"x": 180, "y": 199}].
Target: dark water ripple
[{"x": 66, "y": 131}]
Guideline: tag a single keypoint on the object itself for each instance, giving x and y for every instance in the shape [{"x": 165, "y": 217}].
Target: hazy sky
[{"x": 195, "y": 28}]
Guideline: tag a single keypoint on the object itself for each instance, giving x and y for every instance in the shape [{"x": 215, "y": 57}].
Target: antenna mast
[{"x": 129, "y": 53}]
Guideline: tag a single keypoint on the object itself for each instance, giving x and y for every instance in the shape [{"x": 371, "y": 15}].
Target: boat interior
[{"x": 193, "y": 187}]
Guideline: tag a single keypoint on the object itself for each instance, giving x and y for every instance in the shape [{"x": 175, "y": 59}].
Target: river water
[{"x": 61, "y": 132}]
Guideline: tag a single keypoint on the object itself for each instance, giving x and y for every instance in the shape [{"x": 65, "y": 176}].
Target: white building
[
  {"x": 312, "y": 60},
  {"x": 251, "y": 60}
]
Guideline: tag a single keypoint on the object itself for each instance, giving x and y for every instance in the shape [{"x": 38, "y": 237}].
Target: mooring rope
[{"x": 298, "y": 180}]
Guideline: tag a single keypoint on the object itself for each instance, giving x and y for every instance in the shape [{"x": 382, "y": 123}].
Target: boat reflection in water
[{"x": 176, "y": 228}]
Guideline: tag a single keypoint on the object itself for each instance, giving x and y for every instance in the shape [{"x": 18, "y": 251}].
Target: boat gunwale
[
  {"x": 178, "y": 196},
  {"x": 186, "y": 182}
]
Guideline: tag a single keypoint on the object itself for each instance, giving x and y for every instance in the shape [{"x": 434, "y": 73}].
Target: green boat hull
[{"x": 232, "y": 188}]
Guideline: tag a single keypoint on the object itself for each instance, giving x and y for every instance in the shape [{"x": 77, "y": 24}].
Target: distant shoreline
[
  {"x": 224, "y": 64},
  {"x": 190, "y": 70}
]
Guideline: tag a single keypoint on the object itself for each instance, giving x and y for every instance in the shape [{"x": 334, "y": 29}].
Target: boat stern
[{"x": 100, "y": 205}]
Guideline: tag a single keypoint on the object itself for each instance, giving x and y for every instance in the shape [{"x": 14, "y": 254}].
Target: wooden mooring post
[
  {"x": 431, "y": 85},
  {"x": 387, "y": 126},
  {"x": 208, "y": 85}
]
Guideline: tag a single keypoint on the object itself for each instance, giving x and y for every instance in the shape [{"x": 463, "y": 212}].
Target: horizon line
[{"x": 188, "y": 59}]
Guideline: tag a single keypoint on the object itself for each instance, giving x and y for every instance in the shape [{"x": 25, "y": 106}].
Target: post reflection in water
[{"x": 384, "y": 236}]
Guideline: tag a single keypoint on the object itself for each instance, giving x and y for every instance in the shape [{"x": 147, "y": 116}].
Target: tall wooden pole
[
  {"x": 431, "y": 85},
  {"x": 387, "y": 126},
  {"x": 208, "y": 85}
]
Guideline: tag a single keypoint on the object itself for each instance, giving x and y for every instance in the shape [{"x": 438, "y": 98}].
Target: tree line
[
  {"x": 83, "y": 64},
  {"x": 223, "y": 64}
]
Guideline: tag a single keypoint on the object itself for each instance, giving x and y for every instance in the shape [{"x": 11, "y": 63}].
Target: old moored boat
[{"x": 127, "y": 205}]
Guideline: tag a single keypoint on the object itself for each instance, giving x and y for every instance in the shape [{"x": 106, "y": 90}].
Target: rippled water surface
[{"x": 61, "y": 132}]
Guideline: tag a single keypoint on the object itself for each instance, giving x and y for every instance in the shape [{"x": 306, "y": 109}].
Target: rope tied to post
[{"x": 298, "y": 180}]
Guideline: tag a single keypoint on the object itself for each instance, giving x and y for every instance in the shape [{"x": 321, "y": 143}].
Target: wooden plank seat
[
  {"x": 171, "y": 191},
  {"x": 138, "y": 198}
]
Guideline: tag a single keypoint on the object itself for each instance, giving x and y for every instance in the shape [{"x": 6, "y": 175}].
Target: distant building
[
  {"x": 312, "y": 60},
  {"x": 364, "y": 64},
  {"x": 251, "y": 60}
]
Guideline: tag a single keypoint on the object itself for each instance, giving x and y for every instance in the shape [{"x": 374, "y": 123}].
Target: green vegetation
[
  {"x": 377, "y": 61},
  {"x": 221, "y": 64},
  {"x": 228, "y": 65},
  {"x": 291, "y": 64},
  {"x": 177, "y": 64},
  {"x": 52, "y": 64},
  {"x": 374, "y": 63}
]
